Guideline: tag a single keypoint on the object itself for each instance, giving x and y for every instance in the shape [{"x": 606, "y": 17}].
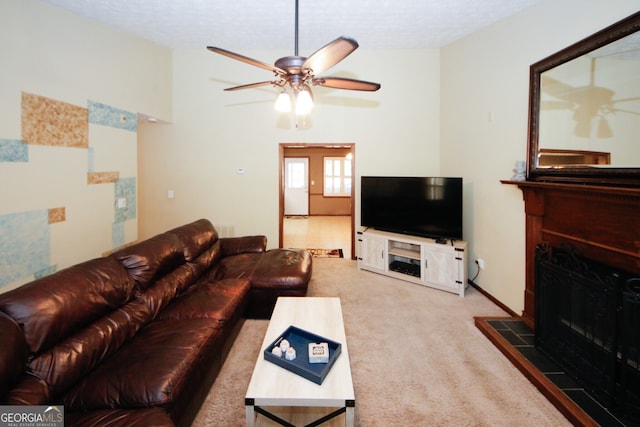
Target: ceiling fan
[
  {"x": 296, "y": 74},
  {"x": 586, "y": 102}
]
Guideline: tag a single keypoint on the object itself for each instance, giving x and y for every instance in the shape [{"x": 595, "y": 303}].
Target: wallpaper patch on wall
[
  {"x": 46, "y": 121},
  {"x": 13, "y": 150},
  {"x": 102, "y": 177},
  {"x": 107, "y": 115},
  {"x": 57, "y": 215},
  {"x": 90, "y": 159},
  {"x": 117, "y": 235},
  {"x": 24, "y": 245},
  {"x": 28, "y": 247},
  {"x": 125, "y": 188},
  {"x": 45, "y": 272}
]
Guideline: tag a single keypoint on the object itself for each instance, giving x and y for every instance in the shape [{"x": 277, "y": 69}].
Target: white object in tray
[{"x": 318, "y": 352}]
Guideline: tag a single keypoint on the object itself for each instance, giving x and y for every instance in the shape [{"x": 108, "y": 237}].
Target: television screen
[{"x": 420, "y": 206}]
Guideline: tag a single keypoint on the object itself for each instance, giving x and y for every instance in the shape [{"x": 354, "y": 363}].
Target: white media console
[{"x": 415, "y": 259}]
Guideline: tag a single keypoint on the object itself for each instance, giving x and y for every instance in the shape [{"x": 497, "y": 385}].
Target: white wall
[
  {"x": 78, "y": 65},
  {"x": 396, "y": 131},
  {"x": 51, "y": 52},
  {"x": 485, "y": 82}
]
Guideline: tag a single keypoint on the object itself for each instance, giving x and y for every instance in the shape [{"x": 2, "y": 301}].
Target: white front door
[{"x": 296, "y": 186}]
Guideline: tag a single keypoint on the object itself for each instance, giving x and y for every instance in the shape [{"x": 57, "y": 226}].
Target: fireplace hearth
[{"x": 587, "y": 320}]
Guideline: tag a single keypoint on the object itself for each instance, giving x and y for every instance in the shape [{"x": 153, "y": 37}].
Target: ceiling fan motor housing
[{"x": 293, "y": 66}]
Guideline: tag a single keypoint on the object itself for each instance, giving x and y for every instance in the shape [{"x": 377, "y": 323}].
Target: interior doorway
[{"x": 319, "y": 204}]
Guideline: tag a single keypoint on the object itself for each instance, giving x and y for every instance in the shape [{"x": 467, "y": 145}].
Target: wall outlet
[
  {"x": 480, "y": 263},
  {"x": 121, "y": 203}
]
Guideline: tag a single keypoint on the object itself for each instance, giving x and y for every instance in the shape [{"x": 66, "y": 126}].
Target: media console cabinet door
[
  {"x": 441, "y": 266},
  {"x": 373, "y": 251}
]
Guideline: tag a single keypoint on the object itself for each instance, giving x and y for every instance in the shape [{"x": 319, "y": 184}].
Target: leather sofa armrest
[
  {"x": 13, "y": 354},
  {"x": 241, "y": 245}
]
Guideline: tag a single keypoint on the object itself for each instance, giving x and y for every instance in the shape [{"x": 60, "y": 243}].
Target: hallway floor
[{"x": 318, "y": 232}]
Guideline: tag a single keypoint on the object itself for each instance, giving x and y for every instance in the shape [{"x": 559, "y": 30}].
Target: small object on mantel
[
  {"x": 519, "y": 171},
  {"x": 318, "y": 352}
]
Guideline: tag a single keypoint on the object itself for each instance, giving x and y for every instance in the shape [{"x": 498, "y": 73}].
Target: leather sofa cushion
[
  {"x": 206, "y": 259},
  {"x": 161, "y": 363},
  {"x": 30, "y": 390},
  {"x": 152, "y": 258},
  {"x": 70, "y": 360},
  {"x": 239, "y": 245},
  {"x": 13, "y": 360},
  {"x": 283, "y": 268},
  {"x": 196, "y": 237},
  {"x": 237, "y": 267},
  {"x": 53, "y": 307},
  {"x": 278, "y": 269},
  {"x": 165, "y": 289},
  {"x": 144, "y": 417},
  {"x": 219, "y": 300}
]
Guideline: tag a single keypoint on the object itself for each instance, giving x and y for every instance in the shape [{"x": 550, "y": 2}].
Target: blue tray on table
[{"x": 299, "y": 339}]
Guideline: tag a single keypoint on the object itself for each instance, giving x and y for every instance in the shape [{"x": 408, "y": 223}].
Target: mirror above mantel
[{"x": 584, "y": 123}]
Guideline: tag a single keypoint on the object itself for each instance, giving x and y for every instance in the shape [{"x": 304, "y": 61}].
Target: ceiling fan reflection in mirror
[
  {"x": 296, "y": 74},
  {"x": 587, "y": 103}
]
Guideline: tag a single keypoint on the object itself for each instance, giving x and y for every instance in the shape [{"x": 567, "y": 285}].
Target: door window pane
[{"x": 295, "y": 175}]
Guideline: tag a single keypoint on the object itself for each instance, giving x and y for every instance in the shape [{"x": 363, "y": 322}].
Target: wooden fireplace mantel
[{"x": 601, "y": 222}]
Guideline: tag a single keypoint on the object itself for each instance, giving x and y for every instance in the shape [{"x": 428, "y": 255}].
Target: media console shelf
[{"x": 415, "y": 259}]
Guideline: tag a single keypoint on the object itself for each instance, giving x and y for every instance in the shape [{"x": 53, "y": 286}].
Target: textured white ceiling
[{"x": 269, "y": 24}]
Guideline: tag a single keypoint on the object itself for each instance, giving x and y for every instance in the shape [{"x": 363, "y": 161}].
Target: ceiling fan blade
[
  {"x": 617, "y": 110},
  {"x": 329, "y": 55},
  {"x": 556, "y": 88},
  {"x": 556, "y": 105},
  {"x": 637, "y": 98},
  {"x": 251, "y": 86},
  {"x": 344, "y": 83},
  {"x": 246, "y": 60}
]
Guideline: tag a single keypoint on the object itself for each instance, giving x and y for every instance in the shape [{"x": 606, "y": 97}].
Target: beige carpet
[{"x": 416, "y": 358}]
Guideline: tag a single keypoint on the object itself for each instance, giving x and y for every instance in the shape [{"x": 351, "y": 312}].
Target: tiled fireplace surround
[{"x": 601, "y": 222}]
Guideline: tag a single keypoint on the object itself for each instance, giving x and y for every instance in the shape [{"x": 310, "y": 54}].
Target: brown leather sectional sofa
[{"x": 138, "y": 337}]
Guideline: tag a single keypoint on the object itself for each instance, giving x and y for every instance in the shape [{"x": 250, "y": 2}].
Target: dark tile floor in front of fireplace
[{"x": 521, "y": 337}]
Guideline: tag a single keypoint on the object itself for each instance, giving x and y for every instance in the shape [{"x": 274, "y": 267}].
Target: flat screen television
[{"x": 419, "y": 206}]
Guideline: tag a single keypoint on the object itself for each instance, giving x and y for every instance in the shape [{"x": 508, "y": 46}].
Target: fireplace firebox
[{"x": 587, "y": 319}]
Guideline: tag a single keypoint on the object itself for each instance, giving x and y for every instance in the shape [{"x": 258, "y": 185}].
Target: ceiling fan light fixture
[
  {"x": 582, "y": 129},
  {"x": 304, "y": 102},
  {"x": 604, "y": 130},
  {"x": 283, "y": 103}
]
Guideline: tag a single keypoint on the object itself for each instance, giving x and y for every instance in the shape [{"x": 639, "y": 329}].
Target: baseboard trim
[{"x": 493, "y": 299}]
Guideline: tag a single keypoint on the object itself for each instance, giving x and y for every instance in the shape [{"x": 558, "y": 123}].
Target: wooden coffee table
[{"x": 274, "y": 386}]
